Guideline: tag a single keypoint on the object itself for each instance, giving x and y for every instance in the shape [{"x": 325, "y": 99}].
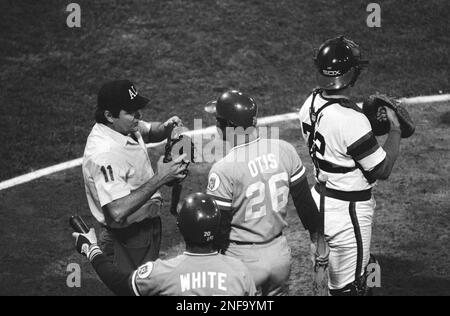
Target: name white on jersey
[{"x": 203, "y": 280}]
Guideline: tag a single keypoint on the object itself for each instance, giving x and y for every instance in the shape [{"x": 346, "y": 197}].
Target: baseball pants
[
  {"x": 269, "y": 264},
  {"x": 132, "y": 246},
  {"x": 348, "y": 232}
]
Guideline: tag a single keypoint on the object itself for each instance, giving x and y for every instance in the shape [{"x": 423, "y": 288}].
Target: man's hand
[
  {"x": 86, "y": 244},
  {"x": 319, "y": 259},
  {"x": 386, "y": 114},
  {"x": 383, "y": 116},
  {"x": 175, "y": 170},
  {"x": 175, "y": 204},
  {"x": 173, "y": 122},
  {"x": 159, "y": 131},
  {"x": 392, "y": 117}
]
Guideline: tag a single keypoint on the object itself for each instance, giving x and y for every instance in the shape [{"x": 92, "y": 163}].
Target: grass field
[{"x": 182, "y": 54}]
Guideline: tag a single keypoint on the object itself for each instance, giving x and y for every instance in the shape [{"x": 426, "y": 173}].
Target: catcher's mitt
[
  {"x": 371, "y": 106},
  {"x": 178, "y": 144}
]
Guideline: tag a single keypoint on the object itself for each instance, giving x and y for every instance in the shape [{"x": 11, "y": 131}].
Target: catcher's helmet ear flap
[
  {"x": 339, "y": 63},
  {"x": 198, "y": 219},
  {"x": 236, "y": 109}
]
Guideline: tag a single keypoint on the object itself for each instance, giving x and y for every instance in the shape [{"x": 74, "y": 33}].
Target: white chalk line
[{"x": 206, "y": 131}]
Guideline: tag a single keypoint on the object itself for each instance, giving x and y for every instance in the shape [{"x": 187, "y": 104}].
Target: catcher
[{"x": 342, "y": 144}]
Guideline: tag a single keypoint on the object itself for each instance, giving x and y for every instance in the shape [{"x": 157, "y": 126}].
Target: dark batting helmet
[
  {"x": 198, "y": 219},
  {"x": 233, "y": 108},
  {"x": 339, "y": 63}
]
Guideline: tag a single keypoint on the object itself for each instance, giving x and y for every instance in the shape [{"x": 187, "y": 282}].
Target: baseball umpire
[
  {"x": 201, "y": 270},
  {"x": 345, "y": 151},
  {"x": 121, "y": 187},
  {"x": 251, "y": 186}
]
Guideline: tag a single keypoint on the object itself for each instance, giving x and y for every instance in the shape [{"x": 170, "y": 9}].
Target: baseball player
[
  {"x": 345, "y": 150},
  {"x": 251, "y": 185},
  {"x": 201, "y": 270},
  {"x": 121, "y": 187}
]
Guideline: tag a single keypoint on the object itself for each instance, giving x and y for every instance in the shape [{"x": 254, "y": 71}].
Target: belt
[
  {"x": 256, "y": 243},
  {"x": 350, "y": 196}
]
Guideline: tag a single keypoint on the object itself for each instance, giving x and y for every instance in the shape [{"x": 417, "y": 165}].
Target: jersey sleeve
[
  {"x": 361, "y": 143},
  {"x": 220, "y": 186},
  {"x": 143, "y": 280},
  {"x": 303, "y": 115},
  {"x": 109, "y": 176},
  {"x": 144, "y": 129},
  {"x": 295, "y": 167}
]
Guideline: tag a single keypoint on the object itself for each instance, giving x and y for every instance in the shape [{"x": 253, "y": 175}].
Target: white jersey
[
  {"x": 113, "y": 166},
  {"x": 346, "y": 145}
]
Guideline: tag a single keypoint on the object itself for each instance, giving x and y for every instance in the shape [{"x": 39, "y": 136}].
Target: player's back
[
  {"x": 256, "y": 178},
  {"x": 194, "y": 274},
  {"x": 347, "y": 144}
]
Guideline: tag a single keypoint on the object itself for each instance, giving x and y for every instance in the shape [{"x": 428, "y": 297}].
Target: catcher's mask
[
  {"x": 339, "y": 63},
  {"x": 198, "y": 219},
  {"x": 178, "y": 144}
]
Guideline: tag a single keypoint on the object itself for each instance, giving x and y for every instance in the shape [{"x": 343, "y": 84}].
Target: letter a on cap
[{"x": 132, "y": 92}]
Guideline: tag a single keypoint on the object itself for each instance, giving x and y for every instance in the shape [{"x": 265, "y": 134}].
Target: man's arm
[
  {"x": 220, "y": 190},
  {"x": 391, "y": 147},
  {"x": 116, "y": 280},
  {"x": 121, "y": 208},
  {"x": 306, "y": 207},
  {"x": 301, "y": 193},
  {"x": 222, "y": 241},
  {"x": 157, "y": 131},
  {"x": 375, "y": 162}
]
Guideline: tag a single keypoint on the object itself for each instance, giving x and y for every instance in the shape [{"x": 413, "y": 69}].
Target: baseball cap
[{"x": 120, "y": 95}]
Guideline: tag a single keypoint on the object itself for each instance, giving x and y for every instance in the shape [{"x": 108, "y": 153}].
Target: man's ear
[{"x": 109, "y": 116}]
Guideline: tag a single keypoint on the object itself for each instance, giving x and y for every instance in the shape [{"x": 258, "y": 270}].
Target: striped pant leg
[{"x": 348, "y": 231}]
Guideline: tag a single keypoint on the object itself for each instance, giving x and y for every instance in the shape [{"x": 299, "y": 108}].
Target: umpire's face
[{"x": 127, "y": 122}]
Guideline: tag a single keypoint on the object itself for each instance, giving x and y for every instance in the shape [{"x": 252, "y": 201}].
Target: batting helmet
[
  {"x": 339, "y": 63},
  {"x": 198, "y": 219},
  {"x": 236, "y": 109}
]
